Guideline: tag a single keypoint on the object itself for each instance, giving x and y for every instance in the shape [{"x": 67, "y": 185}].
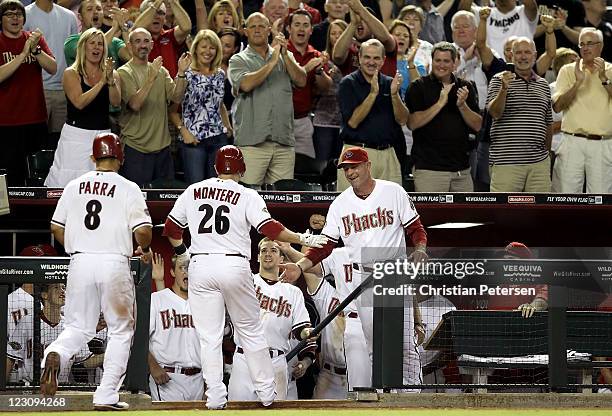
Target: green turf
[{"x": 357, "y": 412}]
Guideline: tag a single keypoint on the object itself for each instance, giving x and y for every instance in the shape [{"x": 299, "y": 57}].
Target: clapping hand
[
  {"x": 32, "y": 42},
  {"x": 600, "y": 68},
  {"x": 184, "y": 62},
  {"x": 282, "y": 42},
  {"x": 462, "y": 95},
  {"x": 560, "y": 19},
  {"x": 374, "y": 84},
  {"x": 313, "y": 64},
  {"x": 396, "y": 83},
  {"x": 108, "y": 67},
  {"x": 444, "y": 93},
  {"x": 579, "y": 72},
  {"x": 411, "y": 55},
  {"x": 277, "y": 26},
  {"x": 155, "y": 67}
]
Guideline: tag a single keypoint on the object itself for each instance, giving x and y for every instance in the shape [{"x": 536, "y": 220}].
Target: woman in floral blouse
[{"x": 205, "y": 125}]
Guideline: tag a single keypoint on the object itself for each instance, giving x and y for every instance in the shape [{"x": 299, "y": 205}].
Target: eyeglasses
[
  {"x": 587, "y": 45},
  {"x": 10, "y": 15}
]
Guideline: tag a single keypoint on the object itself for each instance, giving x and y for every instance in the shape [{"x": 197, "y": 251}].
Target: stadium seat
[
  {"x": 39, "y": 164},
  {"x": 319, "y": 173},
  {"x": 292, "y": 185}
]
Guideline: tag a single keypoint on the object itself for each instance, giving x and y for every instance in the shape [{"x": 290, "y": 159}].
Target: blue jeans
[{"x": 199, "y": 159}]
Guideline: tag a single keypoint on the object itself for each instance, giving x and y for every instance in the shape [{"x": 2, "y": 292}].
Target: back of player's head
[
  {"x": 229, "y": 161},
  {"x": 353, "y": 156},
  {"x": 518, "y": 250},
  {"x": 38, "y": 250},
  {"x": 107, "y": 145}
]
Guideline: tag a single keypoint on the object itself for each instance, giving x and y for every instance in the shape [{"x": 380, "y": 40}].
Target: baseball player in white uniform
[
  {"x": 21, "y": 303},
  {"x": 373, "y": 218},
  {"x": 343, "y": 347},
  {"x": 174, "y": 347},
  {"x": 284, "y": 316},
  {"x": 94, "y": 221},
  {"x": 20, "y": 345},
  {"x": 432, "y": 310},
  {"x": 220, "y": 213}
]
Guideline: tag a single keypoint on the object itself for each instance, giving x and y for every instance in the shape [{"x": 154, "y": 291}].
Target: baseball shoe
[
  {"x": 222, "y": 407},
  {"x": 112, "y": 407},
  {"x": 48, "y": 379}
]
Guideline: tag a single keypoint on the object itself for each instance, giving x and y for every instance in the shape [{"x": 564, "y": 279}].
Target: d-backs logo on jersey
[
  {"x": 278, "y": 306},
  {"x": 180, "y": 320},
  {"x": 381, "y": 218}
]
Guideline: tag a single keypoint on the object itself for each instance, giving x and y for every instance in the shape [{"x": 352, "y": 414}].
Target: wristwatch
[
  {"x": 38, "y": 51},
  {"x": 606, "y": 82}
]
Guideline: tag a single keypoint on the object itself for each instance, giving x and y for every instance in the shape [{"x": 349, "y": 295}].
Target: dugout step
[{"x": 64, "y": 401}]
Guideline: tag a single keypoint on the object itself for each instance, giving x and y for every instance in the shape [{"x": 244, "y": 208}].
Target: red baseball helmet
[
  {"x": 518, "y": 250},
  {"x": 229, "y": 160},
  {"x": 107, "y": 145},
  {"x": 38, "y": 250}
]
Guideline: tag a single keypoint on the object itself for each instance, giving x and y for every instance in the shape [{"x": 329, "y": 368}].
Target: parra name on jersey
[
  {"x": 381, "y": 218},
  {"x": 97, "y": 188},
  {"x": 223, "y": 195}
]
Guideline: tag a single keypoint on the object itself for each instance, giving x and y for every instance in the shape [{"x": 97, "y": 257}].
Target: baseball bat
[{"x": 317, "y": 329}]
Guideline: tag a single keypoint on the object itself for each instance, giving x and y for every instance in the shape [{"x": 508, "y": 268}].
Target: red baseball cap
[
  {"x": 353, "y": 156},
  {"x": 519, "y": 250}
]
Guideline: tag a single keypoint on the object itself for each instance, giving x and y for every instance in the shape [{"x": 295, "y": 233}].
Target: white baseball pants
[{"x": 99, "y": 282}]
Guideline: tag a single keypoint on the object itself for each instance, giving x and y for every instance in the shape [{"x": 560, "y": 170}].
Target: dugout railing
[
  {"x": 457, "y": 334},
  {"x": 561, "y": 349},
  {"x": 49, "y": 271}
]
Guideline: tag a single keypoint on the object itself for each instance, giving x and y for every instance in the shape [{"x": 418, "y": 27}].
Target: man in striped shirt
[{"x": 522, "y": 125}]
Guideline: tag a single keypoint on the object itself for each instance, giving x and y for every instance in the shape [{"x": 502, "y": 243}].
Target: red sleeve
[
  {"x": 416, "y": 233},
  {"x": 271, "y": 229},
  {"x": 172, "y": 230},
  {"x": 315, "y": 255}
]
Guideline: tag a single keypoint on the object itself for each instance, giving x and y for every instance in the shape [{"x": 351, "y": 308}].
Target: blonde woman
[
  {"x": 223, "y": 14},
  {"x": 90, "y": 85},
  {"x": 204, "y": 124}
]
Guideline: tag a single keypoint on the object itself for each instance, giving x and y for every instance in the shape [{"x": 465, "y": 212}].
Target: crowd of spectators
[{"x": 453, "y": 95}]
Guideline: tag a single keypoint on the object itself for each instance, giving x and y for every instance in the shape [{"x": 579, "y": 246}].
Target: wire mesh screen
[{"x": 35, "y": 319}]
